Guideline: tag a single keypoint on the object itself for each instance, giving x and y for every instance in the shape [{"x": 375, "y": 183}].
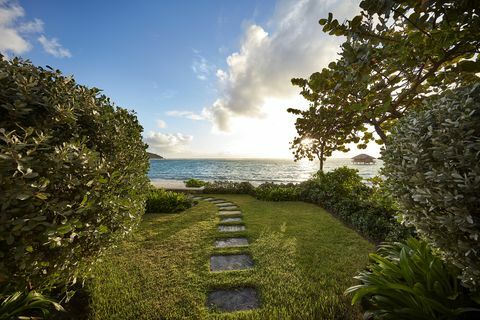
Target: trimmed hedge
[
  {"x": 432, "y": 162},
  {"x": 343, "y": 193},
  {"x": 277, "y": 192},
  {"x": 72, "y": 175},
  {"x": 194, "y": 183},
  {"x": 161, "y": 201},
  {"x": 229, "y": 187}
]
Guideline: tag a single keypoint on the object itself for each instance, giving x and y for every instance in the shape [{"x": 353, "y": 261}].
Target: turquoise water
[{"x": 253, "y": 170}]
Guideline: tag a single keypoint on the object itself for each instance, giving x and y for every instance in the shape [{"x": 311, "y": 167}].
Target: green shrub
[
  {"x": 407, "y": 281},
  {"x": 277, "y": 192},
  {"x": 161, "y": 201},
  {"x": 72, "y": 175},
  {"x": 432, "y": 163},
  {"x": 345, "y": 195},
  {"x": 194, "y": 183},
  {"x": 229, "y": 187}
]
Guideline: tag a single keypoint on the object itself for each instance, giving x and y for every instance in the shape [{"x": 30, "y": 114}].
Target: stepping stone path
[
  {"x": 233, "y": 300},
  {"x": 231, "y": 242},
  {"x": 229, "y": 228},
  {"x": 239, "y": 298},
  {"x": 231, "y": 220}
]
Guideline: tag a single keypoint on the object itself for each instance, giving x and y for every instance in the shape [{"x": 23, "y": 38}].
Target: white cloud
[
  {"x": 186, "y": 114},
  {"x": 16, "y": 33},
  {"x": 35, "y": 26},
  {"x": 201, "y": 67},
  {"x": 167, "y": 143},
  {"x": 11, "y": 39},
  {"x": 266, "y": 61},
  {"x": 161, "y": 124},
  {"x": 53, "y": 47}
]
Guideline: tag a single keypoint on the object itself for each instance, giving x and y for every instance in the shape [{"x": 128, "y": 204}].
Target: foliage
[
  {"x": 344, "y": 194},
  {"x": 407, "y": 281},
  {"x": 319, "y": 131},
  {"x": 396, "y": 53},
  {"x": 72, "y": 175},
  {"x": 194, "y": 183},
  {"x": 433, "y": 165},
  {"x": 277, "y": 192},
  {"x": 229, "y": 187},
  {"x": 17, "y": 304},
  {"x": 161, "y": 201}
]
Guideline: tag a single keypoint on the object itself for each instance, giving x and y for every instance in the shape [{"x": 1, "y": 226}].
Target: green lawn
[{"x": 304, "y": 260}]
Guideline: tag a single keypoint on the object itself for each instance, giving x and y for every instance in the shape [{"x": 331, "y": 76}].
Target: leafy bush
[
  {"x": 344, "y": 194},
  {"x": 161, "y": 201},
  {"x": 72, "y": 175},
  {"x": 194, "y": 183},
  {"x": 433, "y": 165},
  {"x": 407, "y": 281},
  {"x": 229, "y": 187},
  {"x": 277, "y": 192}
]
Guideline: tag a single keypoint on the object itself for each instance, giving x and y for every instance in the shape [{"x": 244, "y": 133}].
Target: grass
[{"x": 304, "y": 260}]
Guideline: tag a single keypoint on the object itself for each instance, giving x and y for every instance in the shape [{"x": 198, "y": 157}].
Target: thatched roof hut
[{"x": 363, "y": 159}]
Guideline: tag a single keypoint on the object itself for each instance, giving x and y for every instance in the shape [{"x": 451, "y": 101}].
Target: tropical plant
[
  {"x": 407, "y": 281},
  {"x": 194, "y": 183},
  {"x": 161, "y": 201},
  {"x": 16, "y": 305},
  {"x": 432, "y": 163},
  {"x": 72, "y": 175}
]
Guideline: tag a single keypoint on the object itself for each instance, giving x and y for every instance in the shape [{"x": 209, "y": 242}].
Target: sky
[{"x": 207, "y": 79}]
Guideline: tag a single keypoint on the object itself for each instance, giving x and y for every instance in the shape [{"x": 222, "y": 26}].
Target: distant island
[{"x": 154, "y": 156}]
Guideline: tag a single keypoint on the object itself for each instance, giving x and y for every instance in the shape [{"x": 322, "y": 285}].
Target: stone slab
[
  {"x": 208, "y": 199},
  {"x": 217, "y": 201},
  {"x": 230, "y": 262},
  {"x": 233, "y": 299},
  {"x": 231, "y": 220},
  {"x": 229, "y": 212},
  {"x": 229, "y": 208},
  {"x": 224, "y": 204},
  {"x": 231, "y": 242},
  {"x": 231, "y": 228}
]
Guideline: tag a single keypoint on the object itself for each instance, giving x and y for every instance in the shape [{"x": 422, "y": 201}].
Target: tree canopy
[{"x": 396, "y": 53}]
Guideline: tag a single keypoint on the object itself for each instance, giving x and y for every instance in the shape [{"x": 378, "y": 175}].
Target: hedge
[{"x": 72, "y": 175}]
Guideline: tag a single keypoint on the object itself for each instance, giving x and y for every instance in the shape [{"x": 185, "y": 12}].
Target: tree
[
  {"x": 319, "y": 132},
  {"x": 396, "y": 54}
]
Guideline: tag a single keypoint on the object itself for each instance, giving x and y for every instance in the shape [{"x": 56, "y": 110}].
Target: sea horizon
[{"x": 254, "y": 170}]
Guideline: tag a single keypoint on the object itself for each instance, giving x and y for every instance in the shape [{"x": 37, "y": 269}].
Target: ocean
[{"x": 255, "y": 171}]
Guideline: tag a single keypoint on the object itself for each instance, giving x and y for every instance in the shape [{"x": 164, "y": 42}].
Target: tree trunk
[{"x": 320, "y": 156}]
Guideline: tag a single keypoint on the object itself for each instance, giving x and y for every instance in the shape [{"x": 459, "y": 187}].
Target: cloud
[
  {"x": 161, "y": 124},
  {"x": 11, "y": 39},
  {"x": 267, "y": 60},
  {"x": 201, "y": 67},
  {"x": 53, "y": 47},
  {"x": 186, "y": 114},
  {"x": 167, "y": 143},
  {"x": 16, "y": 33}
]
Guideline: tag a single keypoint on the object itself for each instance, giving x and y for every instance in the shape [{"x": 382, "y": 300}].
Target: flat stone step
[
  {"x": 231, "y": 220},
  {"x": 229, "y": 208},
  {"x": 208, "y": 199},
  {"x": 230, "y": 262},
  {"x": 233, "y": 299},
  {"x": 231, "y": 242},
  {"x": 224, "y": 204},
  {"x": 217, "y": 201},
  {"x": 231, "y": 228},
  {"x": 229, "y": 212}
]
